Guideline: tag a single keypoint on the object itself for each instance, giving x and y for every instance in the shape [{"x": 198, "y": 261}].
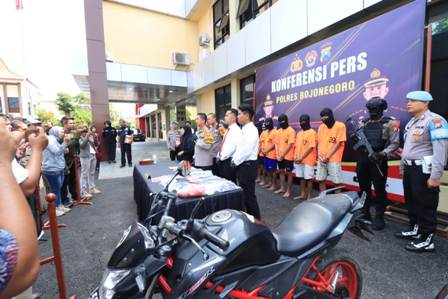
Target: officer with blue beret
[{"x": 425, "y": 153}]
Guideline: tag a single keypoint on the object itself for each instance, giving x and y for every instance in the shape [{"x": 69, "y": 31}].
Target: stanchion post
[{"x": 51, "y": 198}]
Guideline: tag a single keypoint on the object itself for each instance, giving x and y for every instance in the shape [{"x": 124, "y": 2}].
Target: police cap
[{"x": 419, "y": 95}]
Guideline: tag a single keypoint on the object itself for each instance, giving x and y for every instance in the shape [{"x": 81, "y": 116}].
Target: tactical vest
[{"x": 374, "y": 133}]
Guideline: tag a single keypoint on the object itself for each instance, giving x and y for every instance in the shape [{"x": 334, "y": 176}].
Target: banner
[{"x": 380, "y": 57}]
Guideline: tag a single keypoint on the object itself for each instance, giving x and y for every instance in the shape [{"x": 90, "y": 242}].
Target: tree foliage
[
  {"x": 65, "y": 103},
  {"x": 77, "y": 106},
  {"x": 47, "y": 116},
  {"x": 440, "y": 26}
]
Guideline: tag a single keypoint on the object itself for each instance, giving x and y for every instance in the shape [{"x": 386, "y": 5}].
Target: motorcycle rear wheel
[{"x": 348, "y": 282}]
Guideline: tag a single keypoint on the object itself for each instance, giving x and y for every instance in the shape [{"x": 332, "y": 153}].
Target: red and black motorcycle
[{"x": 229, "y": 254}]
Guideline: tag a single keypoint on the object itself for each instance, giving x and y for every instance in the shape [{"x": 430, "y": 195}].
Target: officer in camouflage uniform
[
  {"x": 383, "y": 134},
  {"x": 425, "y": 154}
]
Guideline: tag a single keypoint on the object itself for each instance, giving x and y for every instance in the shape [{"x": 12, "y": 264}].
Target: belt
[
  {"x": 412, "y": 162},
  {"x": 248, "y": 163}
]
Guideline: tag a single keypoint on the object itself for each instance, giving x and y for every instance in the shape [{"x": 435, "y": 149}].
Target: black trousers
[
  {"x": 126, "y": 151},
  {"x": 32, "y": 201},
  {"x": 111, "y": 148},
  {"x": 69, "y": 185},
  {"x": 421, "y": 201},
  {"x": 205, "y": 168},
  {"x": 368, "y": 174},
  {"x": 173, "y": 155},
  {"x": 247, "y": 174},
  {"x": 225, "y": 171}
]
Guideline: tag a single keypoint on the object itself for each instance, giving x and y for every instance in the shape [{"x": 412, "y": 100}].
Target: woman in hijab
[
  {"x": 53, "y": 164},
  {"x": 186, "y": 147}
]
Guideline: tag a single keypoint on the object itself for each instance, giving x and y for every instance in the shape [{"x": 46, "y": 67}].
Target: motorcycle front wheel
[{"x": 344, "y": 274}]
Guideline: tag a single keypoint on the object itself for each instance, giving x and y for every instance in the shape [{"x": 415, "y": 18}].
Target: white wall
[
  {"x": 176, "y": 8},
  {"x": 41, "y": 41},
  {"x": 286, "y": 22}
]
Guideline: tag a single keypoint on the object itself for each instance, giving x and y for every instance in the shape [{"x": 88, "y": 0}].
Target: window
[
  {"x": 223, "y": 101},
  {"x": 12, "y": 98},
  {"x": 1, "y": 98},
  {"x": 250, "y": 9},
  {"x": 247, "y": 87},
  {"x": 440, "y": 26},
  {"x": 221, "y": 24},
  {"x": 13, "y": 105}
]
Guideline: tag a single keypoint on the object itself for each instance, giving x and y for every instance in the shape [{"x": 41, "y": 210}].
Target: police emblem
[
  {"x": 325, "y": 52},
  {"x": 395, "y": 125},
  {"x": 437, "y": 123},
  {"x": 296, "y": 65},
  {"x": 310, "y": 58}
]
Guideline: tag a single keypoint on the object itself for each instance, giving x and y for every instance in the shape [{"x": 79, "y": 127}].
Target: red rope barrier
[{"x": 57, "y": 256}]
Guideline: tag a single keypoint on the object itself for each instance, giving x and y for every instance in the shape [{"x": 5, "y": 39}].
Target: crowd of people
[{"x": 39, "y": 152}]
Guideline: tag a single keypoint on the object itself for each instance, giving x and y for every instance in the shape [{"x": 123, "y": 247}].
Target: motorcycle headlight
[{"x": 110, "y": 279}]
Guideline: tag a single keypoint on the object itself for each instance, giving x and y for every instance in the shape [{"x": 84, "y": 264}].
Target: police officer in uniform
[
  {"x": 424, "y": 156},
  {"x": 110, "y": 141},
  {"x": 383, "y": 134},
  {"x": 124, "y": 136}
]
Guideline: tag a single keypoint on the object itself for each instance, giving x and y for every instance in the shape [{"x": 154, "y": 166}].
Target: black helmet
[{"x": 376, "y": 106}]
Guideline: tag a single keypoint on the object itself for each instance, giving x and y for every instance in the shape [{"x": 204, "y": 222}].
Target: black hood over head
[
  {"x": 329, "y": 122},
  {"x": 304, "y": 121},
  {"x": 283, "y": 121}
]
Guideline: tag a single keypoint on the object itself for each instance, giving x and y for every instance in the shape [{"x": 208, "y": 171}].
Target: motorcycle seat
[{"x": 310, "y": 222}]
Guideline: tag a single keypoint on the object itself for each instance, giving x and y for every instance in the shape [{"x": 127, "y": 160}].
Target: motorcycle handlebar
[
  {"x": 211, "y": 237},
  {"x": 202, "y": 232}
]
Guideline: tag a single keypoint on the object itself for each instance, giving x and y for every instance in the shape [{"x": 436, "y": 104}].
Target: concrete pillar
[
  {"x": 234, "y": 22},
  {"x": 235, "y": 92},
  {"x": 96, "y": 55}
]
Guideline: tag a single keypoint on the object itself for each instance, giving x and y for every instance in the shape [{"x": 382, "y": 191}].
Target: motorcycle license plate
[{"x": 95, "y": 294}]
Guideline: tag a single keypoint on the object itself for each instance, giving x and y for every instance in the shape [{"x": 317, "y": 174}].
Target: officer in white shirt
[
  {"x": 228, "y": 146},
  {"x": 245, "y": 159}
]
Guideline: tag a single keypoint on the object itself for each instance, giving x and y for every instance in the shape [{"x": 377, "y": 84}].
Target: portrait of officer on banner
[
  {"x": 268, "y": 108},
  {"x": 375, "y": 87}
]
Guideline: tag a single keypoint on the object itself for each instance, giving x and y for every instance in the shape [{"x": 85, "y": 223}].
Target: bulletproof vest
[{"x": 374, "y": 133}]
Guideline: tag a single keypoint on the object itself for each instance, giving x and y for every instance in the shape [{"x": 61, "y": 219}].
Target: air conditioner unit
[
  {"x": 181, "y": 59},
  {"x": 204, "y": 40},
  {"x": 109, "y": 57}
]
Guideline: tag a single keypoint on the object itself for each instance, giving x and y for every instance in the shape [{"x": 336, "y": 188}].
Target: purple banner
[{"x": 381, "y": 57}]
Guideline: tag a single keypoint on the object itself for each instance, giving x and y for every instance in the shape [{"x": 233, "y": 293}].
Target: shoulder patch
[
  {"x": 395, "y": 124},
  {"x": 438, "y": 128}
]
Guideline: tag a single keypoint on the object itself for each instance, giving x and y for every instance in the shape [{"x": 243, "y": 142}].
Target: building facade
[{"x": 204, "y": 53}]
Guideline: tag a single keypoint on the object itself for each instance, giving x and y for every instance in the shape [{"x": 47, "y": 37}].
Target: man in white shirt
[
  {"x": 228, "y": 146},
  {"x": 245, "y": 159}
]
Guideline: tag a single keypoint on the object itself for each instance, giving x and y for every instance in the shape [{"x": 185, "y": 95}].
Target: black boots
[
  {"x": 378, "y": 222},
  {"x": 423, "y": 244},
  {"x": 411, "y": 233}
]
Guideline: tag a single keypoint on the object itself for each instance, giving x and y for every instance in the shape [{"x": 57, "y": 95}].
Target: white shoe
[
  {"x": 41, "y": 235},
  {"x": 65, "y": 209},
  {"x": 94, "y": 191},
  {"x": 59, "y": 212},
  {"x": 86, "y": 195}
]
